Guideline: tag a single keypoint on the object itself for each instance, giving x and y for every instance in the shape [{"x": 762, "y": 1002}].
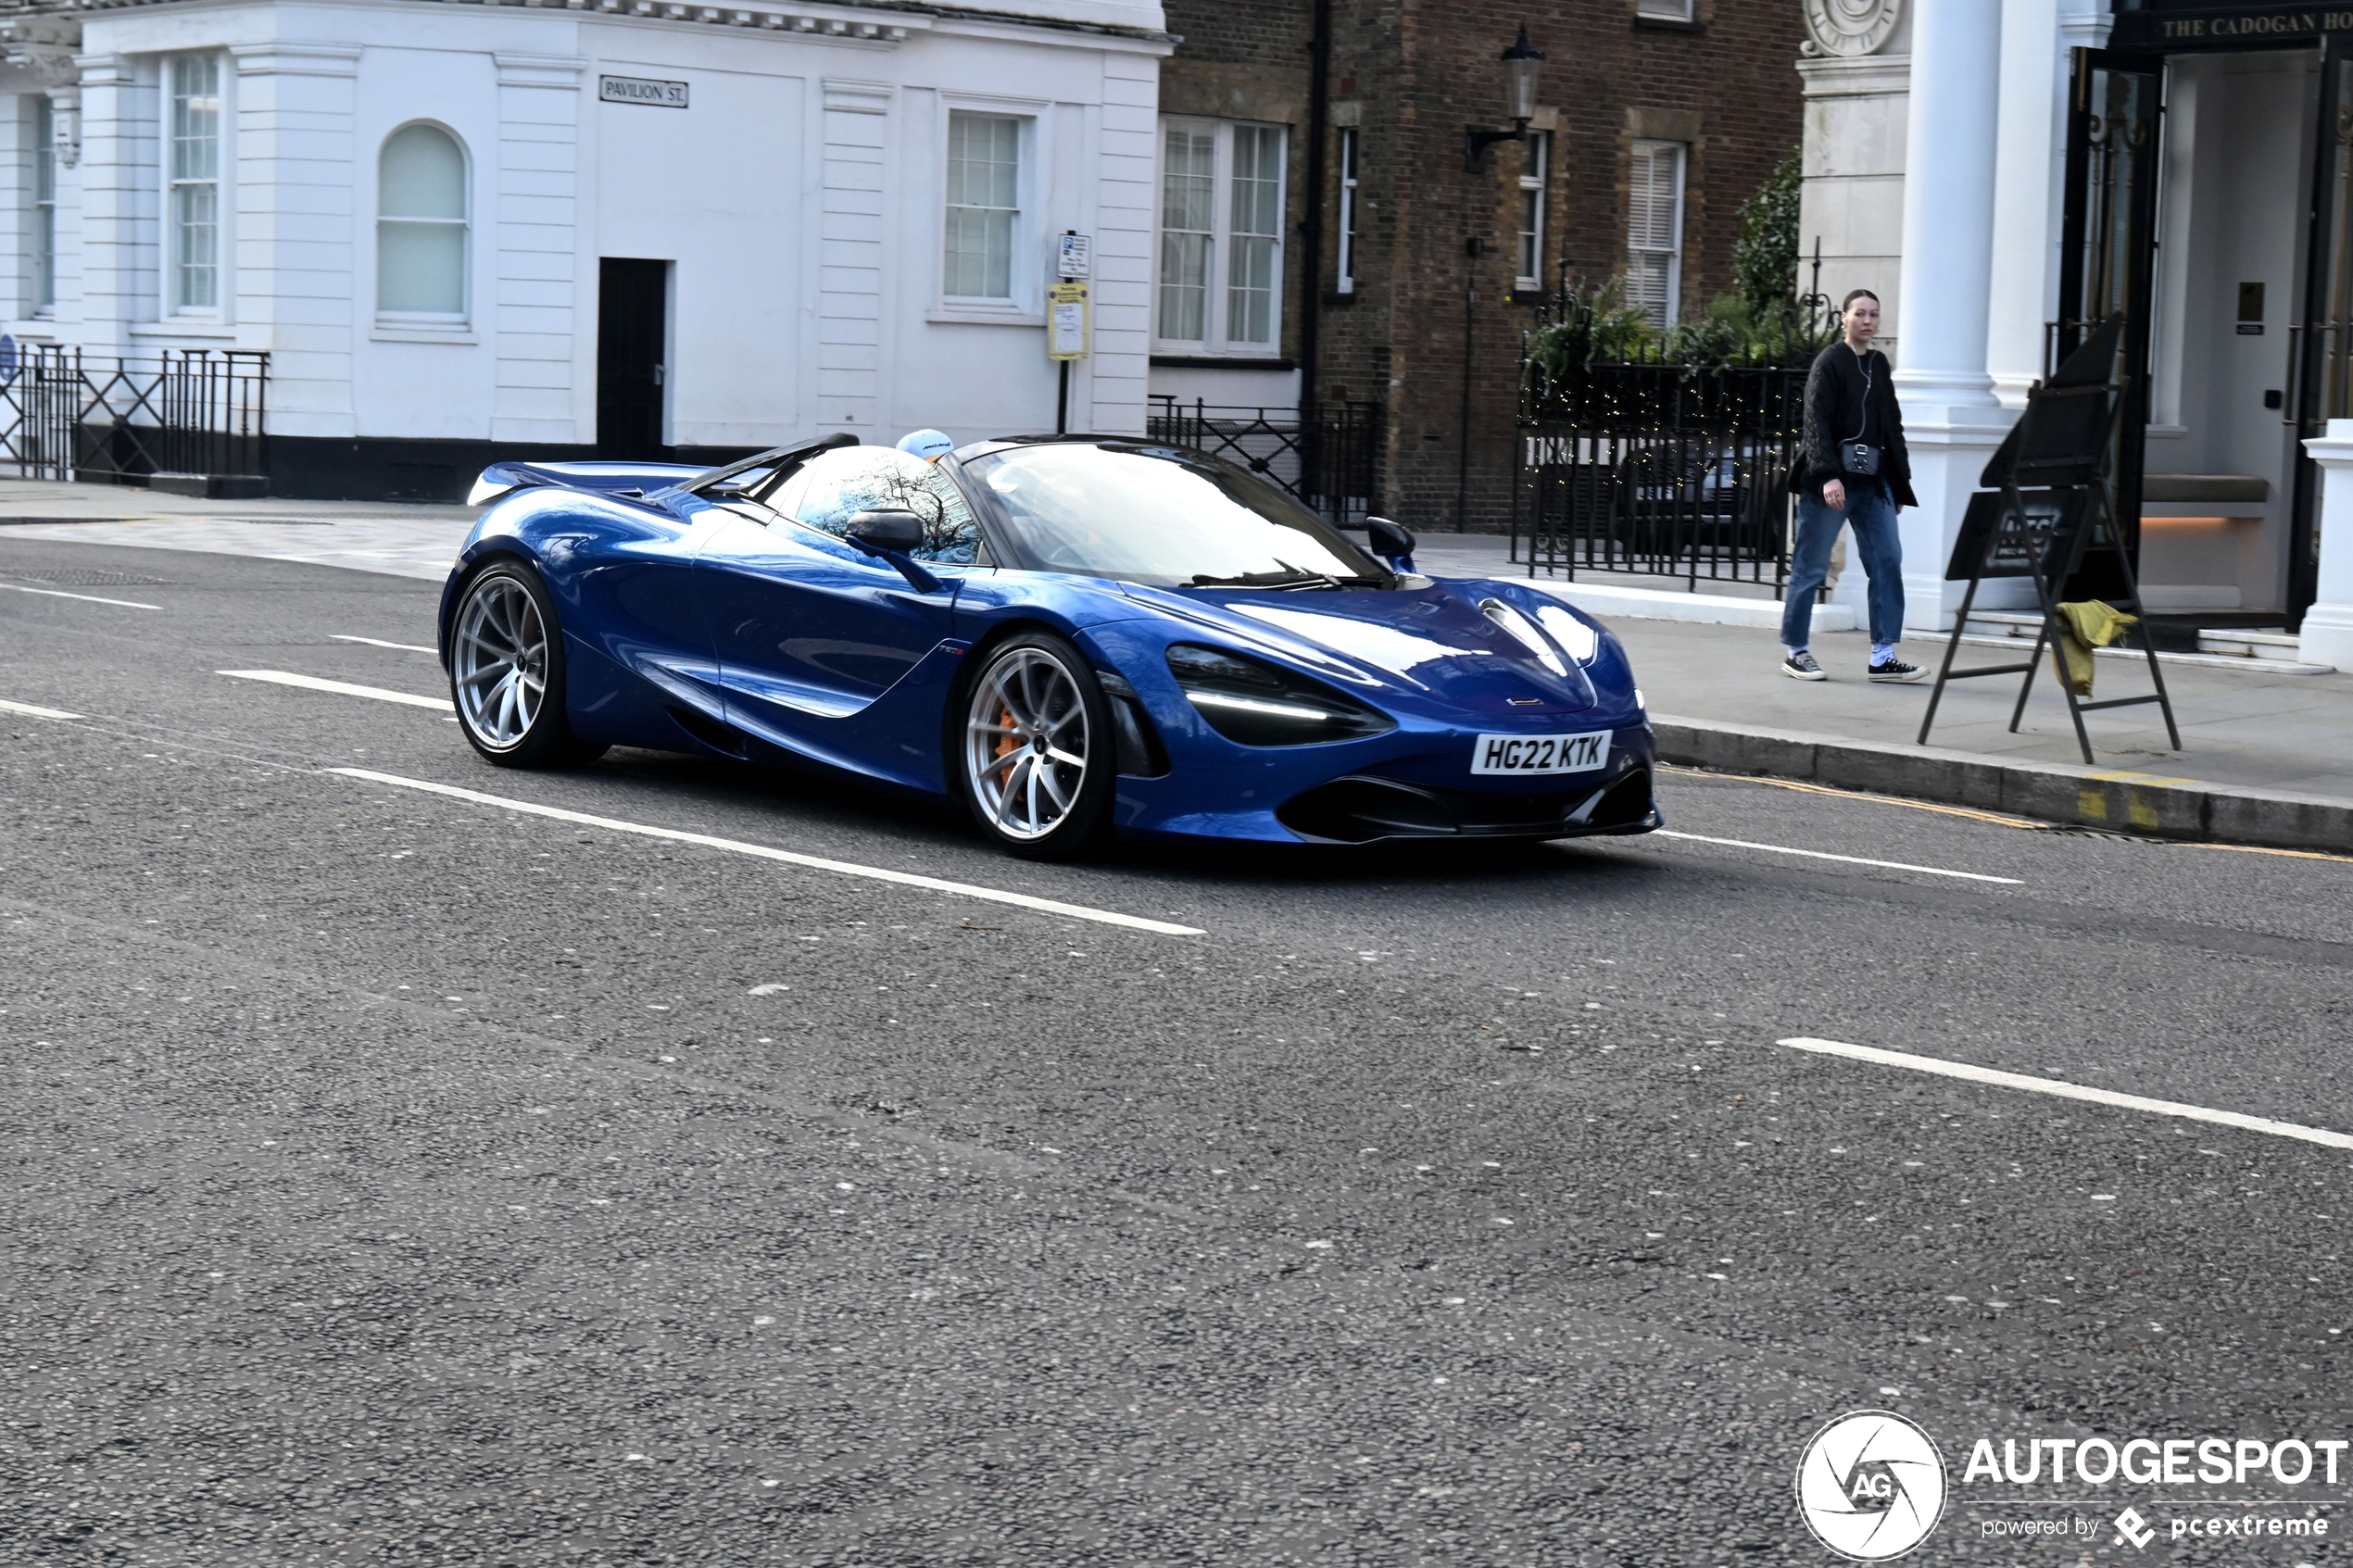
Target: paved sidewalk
[
  {"x": 2291, "y": 733},
  {"x": 2241, "y": 726},
  {"x": 404, "y": 540}
]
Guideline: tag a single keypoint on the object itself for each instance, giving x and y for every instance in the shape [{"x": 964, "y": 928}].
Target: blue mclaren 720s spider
[{"x": 1075, "y": 636}]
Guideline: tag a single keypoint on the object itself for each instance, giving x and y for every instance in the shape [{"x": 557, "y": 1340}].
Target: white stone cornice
[
  {"x": 106, "y": 70},
  {"x": 2083, "y": 24},
  {"x": 858, "y": 97},
  {"x": 869, "y": 26},
  {"x": 814, "y": 21},
  {"x": 559, "y": 71},
  {"x": 296, "y": 60},
  {"x": 1837, "y": 77}
]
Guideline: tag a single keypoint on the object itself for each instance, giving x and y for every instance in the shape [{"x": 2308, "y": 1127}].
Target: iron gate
[
  {"x": 1329, "y": 460},
  {"x": 1659, "y": 470},
  {"x": 66, "y": 415}
]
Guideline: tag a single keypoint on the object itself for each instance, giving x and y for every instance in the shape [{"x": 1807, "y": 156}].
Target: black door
[
  {"x": 633, "y": 312},
  {"x": 2108, "y": 256},
  {"x": 2320, "y": 345}
]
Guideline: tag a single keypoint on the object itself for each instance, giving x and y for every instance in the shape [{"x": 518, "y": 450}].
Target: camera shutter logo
[{"x": 1870, "y": 1486}]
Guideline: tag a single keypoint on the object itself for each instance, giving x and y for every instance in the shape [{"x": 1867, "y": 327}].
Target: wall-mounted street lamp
[{"x": 1522, "y": 63}]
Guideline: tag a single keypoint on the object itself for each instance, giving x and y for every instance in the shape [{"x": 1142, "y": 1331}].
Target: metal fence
[
  {"x": 1330, "y": 461},
  {"x": 67, "y": 415},
  {"x": 1659, "y": 470}
]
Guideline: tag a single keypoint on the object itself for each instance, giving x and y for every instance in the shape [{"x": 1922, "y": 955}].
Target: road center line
[
  {"x": 845, "y": 868},
  {"x": 342, "y": 688},
  {"x": 380, "y": 643},
  {"x": 30, "y": 711},
  {"x": 1848, "y": 859},
  {"x": 86, "y": 598},
  {"x": 2071, "y": 1091}
]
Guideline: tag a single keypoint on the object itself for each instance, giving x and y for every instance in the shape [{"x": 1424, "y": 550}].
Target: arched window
[{"x": 420, "y": 224}]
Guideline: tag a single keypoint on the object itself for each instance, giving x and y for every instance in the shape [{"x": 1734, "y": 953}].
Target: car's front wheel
[
  {"x": 1036, "y": 755},
  {"x": 507, "y": 670}
]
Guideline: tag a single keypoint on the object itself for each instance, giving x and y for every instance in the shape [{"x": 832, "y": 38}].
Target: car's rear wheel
[
  {"x": 1035, "y": 754},
  {"x": 506, "y": 672}
]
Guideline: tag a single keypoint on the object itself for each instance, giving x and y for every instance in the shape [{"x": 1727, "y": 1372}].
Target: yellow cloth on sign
[{"x": 2090, "y": 624}]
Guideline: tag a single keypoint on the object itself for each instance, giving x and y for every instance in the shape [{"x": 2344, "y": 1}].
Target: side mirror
[
  {"x": 886, "y": 530},
  {"x": 1391, "y": 542},
  {"x": 893, "y": 534}
]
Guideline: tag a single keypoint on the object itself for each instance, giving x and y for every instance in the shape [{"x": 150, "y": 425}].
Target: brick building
[{"x": 1340, "y": 250}]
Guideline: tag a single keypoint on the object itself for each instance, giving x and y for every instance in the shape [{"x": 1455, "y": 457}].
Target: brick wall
[{"x": 1415, "y": 73}]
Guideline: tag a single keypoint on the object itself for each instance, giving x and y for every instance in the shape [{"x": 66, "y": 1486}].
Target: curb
[
  {"x": 2051, "y": 792},
  {"x": 1665, "y": 603}
]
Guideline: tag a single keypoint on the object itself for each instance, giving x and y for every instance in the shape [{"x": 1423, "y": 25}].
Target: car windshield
[
  {"x": 1161, "y": 516},
  {"x": 832, "y": 488}
]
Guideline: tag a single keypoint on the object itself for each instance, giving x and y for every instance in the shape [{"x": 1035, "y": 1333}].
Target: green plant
[
  {"x": 1722, "y": 334},
  {"x": 1765, "y": 256},
  {"x": 1597, "y": 327},
  {"x": 1730, "y": 332}
]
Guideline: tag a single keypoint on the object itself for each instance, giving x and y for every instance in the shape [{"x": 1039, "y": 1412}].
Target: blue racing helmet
[{"x": 929, "y": 444}]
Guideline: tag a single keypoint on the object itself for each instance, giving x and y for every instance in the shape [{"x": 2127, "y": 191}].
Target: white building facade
[
  {"x": 2002, "y": 171},
  {"x": 467, "y": 231}
]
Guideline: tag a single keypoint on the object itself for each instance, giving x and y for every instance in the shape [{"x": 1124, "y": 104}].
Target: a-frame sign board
[{"x": 2045, "y": 509}]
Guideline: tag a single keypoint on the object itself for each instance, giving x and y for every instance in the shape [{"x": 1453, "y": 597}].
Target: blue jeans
[{"x": 1872, "y": 515}]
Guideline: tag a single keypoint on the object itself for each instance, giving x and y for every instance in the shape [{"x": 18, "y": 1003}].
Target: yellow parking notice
[{"x": 1066, "y": 324}]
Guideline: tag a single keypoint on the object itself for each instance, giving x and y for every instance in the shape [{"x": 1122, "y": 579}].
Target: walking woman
[{"x": 1857, "y": 473}]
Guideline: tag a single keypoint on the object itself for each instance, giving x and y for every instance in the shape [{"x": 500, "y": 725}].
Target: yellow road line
[
  {"x": 2291, "y": 854},
  {"x": 1859, "y": 795},
  {"x": 1997, "y": 820}
]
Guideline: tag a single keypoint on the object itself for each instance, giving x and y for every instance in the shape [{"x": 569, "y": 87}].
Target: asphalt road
[{"x": 398, "y": 1177}]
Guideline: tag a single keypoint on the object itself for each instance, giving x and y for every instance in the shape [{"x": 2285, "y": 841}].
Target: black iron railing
[
  {"x": 1659, "y": 469},
  {"x": 1330, "y": 461},
  {"x": 69, "y": 414}
]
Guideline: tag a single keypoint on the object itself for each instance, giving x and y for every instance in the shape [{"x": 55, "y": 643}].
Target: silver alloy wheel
[
  {"x": 1025, "y": 743},
  {"x": 501, "y": 661}
]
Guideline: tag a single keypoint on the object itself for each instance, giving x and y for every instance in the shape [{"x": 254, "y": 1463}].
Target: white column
[
  {"x": 850, "y": 332},
  {"x": 293, "y": 275},
  {"x": 537, "y": 238},
  {"x": 1126, "y": 206},
  {"x": 1951, "y": 419},
  {"x": 120, "y": 281},
  {"x": 2327, "y": 625}
]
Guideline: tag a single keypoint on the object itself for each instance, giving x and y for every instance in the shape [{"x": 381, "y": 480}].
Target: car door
[
  {"x": 624, "y": 577},
  {"x": 813, "y": 633}
]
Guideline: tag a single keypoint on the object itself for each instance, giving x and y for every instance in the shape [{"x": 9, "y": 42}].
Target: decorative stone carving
[
  {"x": 37, "y": 56},
  {"x": 1850, "y": 28}
]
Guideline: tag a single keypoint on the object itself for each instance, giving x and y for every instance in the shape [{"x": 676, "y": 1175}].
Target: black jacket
[{"x": 1834, "y": 412}]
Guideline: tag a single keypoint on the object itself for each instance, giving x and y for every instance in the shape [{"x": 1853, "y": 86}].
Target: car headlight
[{"x": 1255, "y": 704}]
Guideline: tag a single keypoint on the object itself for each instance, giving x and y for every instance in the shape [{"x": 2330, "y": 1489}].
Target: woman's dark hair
[{"x": 1854, "y": 295}]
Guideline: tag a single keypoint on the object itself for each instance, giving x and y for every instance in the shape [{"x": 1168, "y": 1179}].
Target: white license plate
[{"x": 1541, "y": 754}]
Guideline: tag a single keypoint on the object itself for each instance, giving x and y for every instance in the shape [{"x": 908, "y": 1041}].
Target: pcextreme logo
[{"x": 1870, "y": 1486}]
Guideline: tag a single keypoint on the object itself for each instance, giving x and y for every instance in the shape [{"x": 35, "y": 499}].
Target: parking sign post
[{"x": 1066, "y": 324}]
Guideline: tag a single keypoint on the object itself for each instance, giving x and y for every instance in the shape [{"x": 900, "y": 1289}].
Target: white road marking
[
  {"x": 27, "y": 709},
  {"x": 1849, "y": 860},
  {"x": 846, "y": 868},
  {"x": 342, "y": 688},
  {"x": 86, "y": 598},
  {"x": 379, "y": 642},
  {"x": 2072, "y": 1091}
]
